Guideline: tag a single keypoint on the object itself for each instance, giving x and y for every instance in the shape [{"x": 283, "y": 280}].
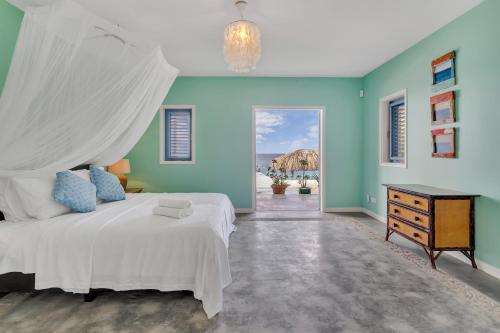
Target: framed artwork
[
  {"x": 443, "y": 108},
  {"x": 443, "y": 72},
  {"x": 443, "y": 143}
]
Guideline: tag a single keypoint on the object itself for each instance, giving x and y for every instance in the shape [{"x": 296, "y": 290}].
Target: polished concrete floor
[
  {"x": 291, "y": 201},
  {"x": 292, "y": 272}
]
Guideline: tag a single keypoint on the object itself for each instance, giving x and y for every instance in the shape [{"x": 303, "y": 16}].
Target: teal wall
[
  {"x": 224, "y": 135},
  {"x": 475, "y": 37},
  {"x": 10, "y": 22}
]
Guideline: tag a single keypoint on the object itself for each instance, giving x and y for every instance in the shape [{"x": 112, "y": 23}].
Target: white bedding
[{"x": 122, "y": 246}]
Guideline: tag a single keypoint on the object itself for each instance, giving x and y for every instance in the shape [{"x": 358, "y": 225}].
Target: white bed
[{"x": 122, "y": 246}]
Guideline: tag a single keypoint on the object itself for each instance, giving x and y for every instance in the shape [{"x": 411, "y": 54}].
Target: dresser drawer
[
  {"x": 409, "y": 215},
  {"x": 409, "y": 200},
  {"x": 413, "y": 233}
]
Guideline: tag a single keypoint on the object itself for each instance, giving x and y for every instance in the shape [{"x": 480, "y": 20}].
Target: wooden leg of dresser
[
  {"x": 430, "y": 254},
  {"x": 470, "y": 255},
  {"x": 388, "y": 233}
]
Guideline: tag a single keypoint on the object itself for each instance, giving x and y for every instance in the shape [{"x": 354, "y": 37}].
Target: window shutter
[
  {"x": 178, "y": 134},
  {"x": 397, "y": 129}
]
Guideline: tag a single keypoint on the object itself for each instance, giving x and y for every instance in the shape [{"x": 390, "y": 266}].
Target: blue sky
[{"x": 284, "y": 131}]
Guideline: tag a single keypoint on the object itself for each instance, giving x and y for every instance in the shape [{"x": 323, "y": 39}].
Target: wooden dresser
[{"x": 437, "y": 219}]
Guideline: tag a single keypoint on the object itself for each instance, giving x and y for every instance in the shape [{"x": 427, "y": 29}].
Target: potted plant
[
  {"x": 303, "y": 189},
  {"x": 278, "y": 177}
]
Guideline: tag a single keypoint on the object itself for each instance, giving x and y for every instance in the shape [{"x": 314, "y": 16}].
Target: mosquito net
[{"x": 79, "y": 90}]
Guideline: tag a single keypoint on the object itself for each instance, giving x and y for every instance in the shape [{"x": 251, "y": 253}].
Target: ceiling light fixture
[{"x": 242, "y": 48}]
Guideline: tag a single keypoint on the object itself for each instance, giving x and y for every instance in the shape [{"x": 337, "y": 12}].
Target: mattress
[{"x": 122, "y": 246}]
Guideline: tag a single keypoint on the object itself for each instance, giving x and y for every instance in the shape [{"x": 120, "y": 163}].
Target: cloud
[
  {"x": 265, "y": 123},
  {"x": 313, "y": 132},
  {"x": 299, "y": 143}
]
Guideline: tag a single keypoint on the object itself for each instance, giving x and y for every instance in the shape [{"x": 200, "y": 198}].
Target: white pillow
[
  {"x": 10, "y": 204},
  {"x": 37, "y": 196}
]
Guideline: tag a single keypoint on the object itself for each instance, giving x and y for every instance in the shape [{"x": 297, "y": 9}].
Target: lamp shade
[{"x": 121, "y": 167}]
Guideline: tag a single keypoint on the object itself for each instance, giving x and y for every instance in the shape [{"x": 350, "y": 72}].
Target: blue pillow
[
  {"x": 74, "y": 192},
  {"x": 108, "y": 185}
]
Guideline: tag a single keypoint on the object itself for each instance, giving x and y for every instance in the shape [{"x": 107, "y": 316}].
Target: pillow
[
  {"x": 37, "y": 196},
  {"x": 108, "y": 186},
  {"x": 10, "y": 203},
  {"x": 85, "y": 174},
  {"x": 75, "y": 192}
]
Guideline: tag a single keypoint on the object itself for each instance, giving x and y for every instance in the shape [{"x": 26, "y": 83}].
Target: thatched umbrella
[{"x": 292, "y": 160}]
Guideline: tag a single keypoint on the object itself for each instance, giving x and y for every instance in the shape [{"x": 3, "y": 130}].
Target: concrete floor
[
  {"x": 292, "y": 272},
  {"x": 291, "y": 201}
]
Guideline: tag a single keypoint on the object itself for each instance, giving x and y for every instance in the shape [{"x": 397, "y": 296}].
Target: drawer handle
[
  {"x": 395, "y": 225},
  {"x": 395, "y": 196},
  {"x": 396, "y": 211},
  {"x": 416, "y": 235},
  {"x": 417, "y": 218},
  {"x": 417, "y": 202}
]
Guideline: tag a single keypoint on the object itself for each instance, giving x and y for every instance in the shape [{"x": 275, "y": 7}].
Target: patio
[
  {"x": 267, "y": 201},
  {"x": 291, "y": 200}
]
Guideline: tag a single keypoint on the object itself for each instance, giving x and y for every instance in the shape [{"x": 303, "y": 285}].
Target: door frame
[{"x": 322, "y": 156}]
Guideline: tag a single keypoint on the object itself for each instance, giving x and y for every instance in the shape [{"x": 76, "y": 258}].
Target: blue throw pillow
[
  {"x": 108, "y": 185},
  {"x": 74, "y": 192}
]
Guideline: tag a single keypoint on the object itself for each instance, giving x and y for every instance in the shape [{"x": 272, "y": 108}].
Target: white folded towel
[
  {"x": 174, "y": 203},
  {"x": 173, "y": 212}
]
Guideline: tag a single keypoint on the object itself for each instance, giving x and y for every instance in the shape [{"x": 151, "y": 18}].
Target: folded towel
[
  {"x": 174, "y": 203},
  {"x": 173, "y": 212}
]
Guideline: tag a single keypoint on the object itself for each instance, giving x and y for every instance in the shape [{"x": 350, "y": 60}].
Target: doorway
[{"x": 288, "y": 158}]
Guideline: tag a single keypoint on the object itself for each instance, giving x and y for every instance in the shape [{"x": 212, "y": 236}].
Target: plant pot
[
  {"x": 304, "y": 190},
  {"x": 279, "y": 189}
]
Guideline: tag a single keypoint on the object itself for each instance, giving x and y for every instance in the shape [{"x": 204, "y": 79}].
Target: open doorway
[{"x": 288, "y": 158}]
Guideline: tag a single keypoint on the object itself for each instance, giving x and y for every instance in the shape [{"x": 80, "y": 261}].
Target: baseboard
[
  {"x": 344, "y": 210},
  {"x": 377, "y": 217},
  {"x": 244, "y": 210},
  {"x": 481, "y": 265},
  {"x": 368, "y": 212}
]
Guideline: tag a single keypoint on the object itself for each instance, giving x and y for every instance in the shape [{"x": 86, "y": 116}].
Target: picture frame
[
  {"x": 443, "y": 142},
  {"x": 443, "y": 108},
  {"x": 443, "y": 72}
]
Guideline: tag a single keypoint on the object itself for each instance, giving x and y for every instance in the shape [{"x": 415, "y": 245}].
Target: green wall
[
  {"x": 10, "y": 22},
  {"x": 475, "y": 37},
  {"x": 224, "y": 135}
]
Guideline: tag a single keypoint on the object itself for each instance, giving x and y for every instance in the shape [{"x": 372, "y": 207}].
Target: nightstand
[{"x": 134, "y": 190}]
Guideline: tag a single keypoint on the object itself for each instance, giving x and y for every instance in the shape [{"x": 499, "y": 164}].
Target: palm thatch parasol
[{"x": 292, "y": 160}]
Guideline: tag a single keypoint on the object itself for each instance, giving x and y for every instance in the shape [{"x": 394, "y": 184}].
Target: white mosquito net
[{"x": 79, "y": 90}]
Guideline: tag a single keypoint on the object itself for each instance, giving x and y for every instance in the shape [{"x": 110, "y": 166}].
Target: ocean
[{"x": 263, "y": 161}]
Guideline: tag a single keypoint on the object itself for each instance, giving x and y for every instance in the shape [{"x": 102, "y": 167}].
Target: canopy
[
  {"x": 292, "y": 160},
  {"x": 79, "y": 90}
]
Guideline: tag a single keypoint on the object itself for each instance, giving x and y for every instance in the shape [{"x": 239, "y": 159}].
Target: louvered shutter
[
  {"x": 397, "y": 130},
  {"x": 178, "y": 125}
]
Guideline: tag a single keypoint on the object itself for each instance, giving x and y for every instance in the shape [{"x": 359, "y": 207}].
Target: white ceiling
[{"x": 299, "y": 37}]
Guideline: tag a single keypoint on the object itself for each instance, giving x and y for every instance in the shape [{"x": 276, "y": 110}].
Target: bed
[{"x": 122, "y": 246}]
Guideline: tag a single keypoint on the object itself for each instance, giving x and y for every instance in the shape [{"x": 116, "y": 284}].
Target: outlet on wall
[
  {"x": 368, "y": 198},
  {"x": 373, "y": 200}
]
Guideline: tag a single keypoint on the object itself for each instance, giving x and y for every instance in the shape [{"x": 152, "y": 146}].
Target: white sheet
[{"x": 122, "y": 246}]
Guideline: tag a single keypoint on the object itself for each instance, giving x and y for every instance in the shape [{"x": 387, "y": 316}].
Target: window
[
  {"x": 177, "y": 135},
  {"x": 392, "y": 129}
]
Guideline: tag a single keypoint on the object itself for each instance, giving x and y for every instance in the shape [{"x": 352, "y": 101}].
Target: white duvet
[{"x": 122, "y": 246}]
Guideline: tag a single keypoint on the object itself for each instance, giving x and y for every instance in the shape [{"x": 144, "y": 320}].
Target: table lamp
[{"x": 121, "y": 168}]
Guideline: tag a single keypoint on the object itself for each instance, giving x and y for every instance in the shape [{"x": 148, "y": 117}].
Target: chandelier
[{"x": 241, "y": 43}]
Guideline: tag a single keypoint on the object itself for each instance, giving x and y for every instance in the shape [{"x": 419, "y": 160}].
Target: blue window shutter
[
  {"x": 178, "y": 134},
  {"x": 397, "y": 130}
]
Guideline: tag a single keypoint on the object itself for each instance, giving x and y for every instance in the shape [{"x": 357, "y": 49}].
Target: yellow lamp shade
[{"x": 119, "y": 168}]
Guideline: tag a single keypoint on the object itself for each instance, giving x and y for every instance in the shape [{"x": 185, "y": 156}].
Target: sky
[{"x": 283, "y": 131}]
